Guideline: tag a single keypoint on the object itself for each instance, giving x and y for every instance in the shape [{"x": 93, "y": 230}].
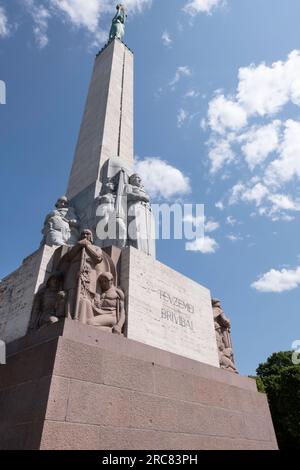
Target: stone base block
[
  {"x": 167, "y": 310},
  {"x": 17, "y": 293},
  {"x": 70, "y": 386}
]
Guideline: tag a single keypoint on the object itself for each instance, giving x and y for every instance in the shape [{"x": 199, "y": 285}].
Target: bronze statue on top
[{"x": 117, "y": 29}]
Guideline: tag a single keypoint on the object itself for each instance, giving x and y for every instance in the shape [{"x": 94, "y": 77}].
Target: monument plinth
[{"x": 107, "y": 347}]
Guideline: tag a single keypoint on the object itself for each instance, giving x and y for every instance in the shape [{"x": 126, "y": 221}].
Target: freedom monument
[{"x": 107, "y": 347}]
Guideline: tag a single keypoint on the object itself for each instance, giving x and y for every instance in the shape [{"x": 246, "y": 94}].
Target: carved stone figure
[
  {"x": 124, "y": 211},
  {"x": 117, "y": 29},
  {"x": 81, "y": 267},
  {"x": 223, "y": 336},
  {"x": 111, "y": 228},
  {"x": 61, "y": 225},
  {"x": 49, "y": 303},
  {"x": 107, "y": 309},
  {"x": 140, "y": 230}
]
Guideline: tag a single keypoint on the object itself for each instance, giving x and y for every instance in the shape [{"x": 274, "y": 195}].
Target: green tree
[{"x": 280, "y": 379}]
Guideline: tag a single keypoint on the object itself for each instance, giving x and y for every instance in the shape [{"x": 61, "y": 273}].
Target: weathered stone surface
[
  {"x": 17, "y": 293},
  {"x": 87, "y": 403},
  {"x": 167, "y": 310},
  {"x": 69, "y": 436},
  {"x": 107, "y": 125}
]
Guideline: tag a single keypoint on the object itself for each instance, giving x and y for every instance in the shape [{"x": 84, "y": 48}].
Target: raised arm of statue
[
  {"x": 95, "y": 253},
  {"x": 118, "y": 23}
]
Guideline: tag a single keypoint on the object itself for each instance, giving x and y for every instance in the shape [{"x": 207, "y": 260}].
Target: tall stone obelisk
[{"x": 106, "y": 128}]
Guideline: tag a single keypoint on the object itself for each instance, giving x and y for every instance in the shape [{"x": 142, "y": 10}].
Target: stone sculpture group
[{"x": 83, "y": 289}]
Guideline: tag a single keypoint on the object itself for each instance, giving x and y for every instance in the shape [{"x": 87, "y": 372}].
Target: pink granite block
[
  {"x": 29, "y": 364},
  {"x": 68, "y": 436},
  {"x": 227, "y": 423},
  {"x": 103, "y": 405},
  {"x": 79, "y": 361},
  {"x": 124, "y": 372},
  {"x": 58, "y": 399},
  {"x": 112, "y": 438}
]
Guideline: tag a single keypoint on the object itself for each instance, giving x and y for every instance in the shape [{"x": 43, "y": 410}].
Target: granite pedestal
[{"x": 71, "y": 386}]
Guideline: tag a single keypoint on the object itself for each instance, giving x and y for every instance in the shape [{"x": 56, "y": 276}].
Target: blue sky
[{"x": 217, "y": 96}]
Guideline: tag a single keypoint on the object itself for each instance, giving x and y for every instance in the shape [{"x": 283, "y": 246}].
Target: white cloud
[
  {"x": 225, "y": 114},
  {"x": 211, "y": 226},
  {"x": 166, "y": 39},
  {"x": 220, "y": 205},
  {"x": 264, "y": 90},
  {"x": 193, "y": 7},
  {"x": 81, "y": 13},
  {"x": 284, "y": 202},
  {"x": 278, "y": 281},
  {"x": 136, "y": 6},
  {"x": 85, "y": 14},
  {"x": 161, "y": 179},
  {"x": 255, "y": 194},
  {"x": 4, "y": 27},
  {"x": 40, "y": 16},
  {"x": 208, "y": 225},
  {"x": 220, "y": 153},
  {"x": 234, "y": 238},
  {"x": 205, "y": 245},
  {"x": 260, "y": 142},
  {"x": 235, "y": 193},
  {"x": 287, "y": 166},
  {"x": 231, "y": 221},
  {"x": 270, "y": 147},
  {"x": 181, "y": 117},
  {"x": 192, "y": 94},
  {"x": 183, "y": 71}
]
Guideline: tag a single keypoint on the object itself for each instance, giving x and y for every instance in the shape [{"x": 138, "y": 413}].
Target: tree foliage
[{"x": 280, "y": 379}]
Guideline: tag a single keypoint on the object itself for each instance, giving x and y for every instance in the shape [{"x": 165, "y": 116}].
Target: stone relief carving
[
  {"x": 140, "y": 225},
  {"x": 223, "y": 336},
  {"x": 61, "y": 225},
  {"x": 83, "y": 289},
  {"x": 125, "y": 213},
  {"x": 49, "y": 303},
  {"x": 106, "y": 309}
]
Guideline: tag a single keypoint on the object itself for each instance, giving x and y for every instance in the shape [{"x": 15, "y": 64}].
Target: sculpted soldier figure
[
  {"x": 49, "y": 303},
  {"x": 79, "y": 268},
  {"x": 141, "y": 225},
  {"x": 223, "y": 336},
  {"x": 61, "y": 226},
  {"x": 118, "y": 23},
  {"x": 106, "y": 227}
]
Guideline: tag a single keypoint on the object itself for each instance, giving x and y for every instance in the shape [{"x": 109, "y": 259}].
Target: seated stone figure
[
  {"x": 49, "y": 303},
  {"x": 107, "y": 310}
]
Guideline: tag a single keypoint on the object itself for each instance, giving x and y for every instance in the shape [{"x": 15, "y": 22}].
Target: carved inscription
[{"x": 176, "y": 310}]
